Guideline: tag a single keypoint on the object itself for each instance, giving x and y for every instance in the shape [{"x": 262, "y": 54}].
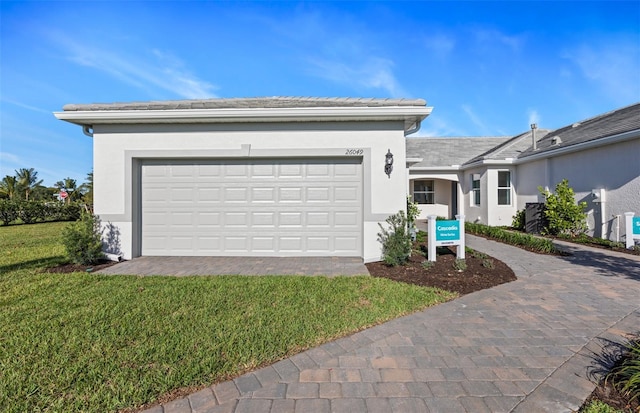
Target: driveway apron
[{"x": 532, "y": 345}]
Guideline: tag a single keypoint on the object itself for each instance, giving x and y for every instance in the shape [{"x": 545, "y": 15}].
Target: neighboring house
[
  {"x": 311, "y": 176},
  {"x": 600, "y": 157},
  {"x": 248, "y": 177}
]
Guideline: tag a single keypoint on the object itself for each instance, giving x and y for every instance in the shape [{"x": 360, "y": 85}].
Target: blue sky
[{"x": 487, "y": 68}]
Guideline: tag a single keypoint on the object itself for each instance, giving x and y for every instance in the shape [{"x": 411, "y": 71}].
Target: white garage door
[{"x": 258, "y": 208}]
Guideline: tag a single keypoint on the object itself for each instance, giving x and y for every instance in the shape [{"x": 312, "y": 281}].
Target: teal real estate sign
[
  {"x": 447, "y": 231},
  {"x": 441, "y": 233},
  {"x": 636, "y": 226}
]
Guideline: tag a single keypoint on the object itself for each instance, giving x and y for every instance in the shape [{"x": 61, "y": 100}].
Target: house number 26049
[{"x": 353, "y": 152}]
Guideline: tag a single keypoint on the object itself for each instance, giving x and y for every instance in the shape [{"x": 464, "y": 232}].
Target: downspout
[
  {"x": 416, "y": 127},
  {"x": 87, "y": 130}
]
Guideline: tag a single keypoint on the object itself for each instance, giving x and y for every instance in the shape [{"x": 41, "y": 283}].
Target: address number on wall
[{"x": 353, "y": 152}]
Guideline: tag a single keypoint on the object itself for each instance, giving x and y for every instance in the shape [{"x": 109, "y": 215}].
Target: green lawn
[{"x": 85, "y": 342}]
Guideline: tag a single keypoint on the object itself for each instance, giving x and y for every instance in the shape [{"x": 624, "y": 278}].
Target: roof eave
[{"x": 409, "y": 114}]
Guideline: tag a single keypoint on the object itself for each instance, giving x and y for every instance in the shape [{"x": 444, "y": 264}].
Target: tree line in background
[{"x": 24, "y": 198}]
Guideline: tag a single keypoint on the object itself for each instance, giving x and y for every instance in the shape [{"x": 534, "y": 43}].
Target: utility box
[{"x": 534, "y": 218}]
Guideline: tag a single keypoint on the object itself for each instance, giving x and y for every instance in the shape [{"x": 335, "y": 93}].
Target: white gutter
[{"x": 411, "y": 115}]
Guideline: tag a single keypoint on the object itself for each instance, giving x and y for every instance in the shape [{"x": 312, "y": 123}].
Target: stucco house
[
  {"x": 488, "y": 179},
  {"x": 249, "y": 177},
  {"x": 288, "y": 176}
]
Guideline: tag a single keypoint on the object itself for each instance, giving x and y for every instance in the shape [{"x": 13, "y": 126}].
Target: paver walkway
[
  {"x": 330, "y": 266},
  {"x": 531, "y": 345}
]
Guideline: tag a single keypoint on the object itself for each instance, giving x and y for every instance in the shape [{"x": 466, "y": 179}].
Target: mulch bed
[{"x": 442, "y": 273}]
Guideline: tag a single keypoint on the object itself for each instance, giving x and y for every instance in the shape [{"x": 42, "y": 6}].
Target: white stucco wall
[
  {"x": 498, "y": 215},
  {"x": 442, "y": 192},
  {"x": 116, "y": 148},
  {"x": 474, "y": 213},
  {"x": 615, "y": 168}
]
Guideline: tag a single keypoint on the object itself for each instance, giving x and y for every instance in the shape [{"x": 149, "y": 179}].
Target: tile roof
[
  {"x": 248, "y": 103},
  {"x": 444, "y": 152},
  {"x": 602, "y": 126}
]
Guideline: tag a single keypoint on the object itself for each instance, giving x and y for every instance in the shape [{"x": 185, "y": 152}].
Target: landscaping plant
[
  {"x": 625, "y": 376},
  {"x": 83, "y": 240},
  {"x": 519, "y": 220},
  {"x": 526, "y": 241},
  {"x": 395, "y": 240},
  {"x": 564, "y": 215}
]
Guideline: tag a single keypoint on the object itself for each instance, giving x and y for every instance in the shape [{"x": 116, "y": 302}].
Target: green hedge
[
  {"x": 513, "y": 238},
  {"x": 29, "y": 212}
]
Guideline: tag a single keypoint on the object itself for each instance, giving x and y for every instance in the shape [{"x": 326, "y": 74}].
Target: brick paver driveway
[{"x": 527, "y": 346}]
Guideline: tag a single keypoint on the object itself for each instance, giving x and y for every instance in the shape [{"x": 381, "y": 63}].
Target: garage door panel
[
  {"x": 290, "y": 195},
  {"x": 263, "y": 171},
  {"x": 266, "y": 195},
  {"x": 318, "y": 194},
  {"x": 263, "y": 244},
  {"x": 208, "y": 219},
  {"x": 346, "y": 243},
  {"x": 346, "y": 219},
  {"x": 263, "y": 219},
  {"x": 209, "y": 244},
  {"x": 236, "y": 243},
  {"x": 266, "y": 207},
  {"x": 209, "y": 195}
]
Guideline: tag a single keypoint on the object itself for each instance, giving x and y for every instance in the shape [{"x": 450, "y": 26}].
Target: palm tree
[
  {"x": 8, "y": 186},
  {"x": 28, "y": 180}
]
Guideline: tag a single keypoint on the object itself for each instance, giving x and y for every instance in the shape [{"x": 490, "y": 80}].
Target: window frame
[
  {"x": 502, "y": 189},
  {"x": 475, "y": 191},
  {"x": 426, "y": 193}
]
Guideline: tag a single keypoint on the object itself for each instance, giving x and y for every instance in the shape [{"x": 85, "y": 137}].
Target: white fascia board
[
  {"x": 434, "y": 168},
  {"x": 488, "y": 162},
  {"x": 633, "y": 134},
  {"x": 410, "y": 115}
]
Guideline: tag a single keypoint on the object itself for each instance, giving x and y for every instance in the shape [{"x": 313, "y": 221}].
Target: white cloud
[
  {"x": 492, "y": 38},
  {"x": 611, "y": 65},
  {"x": 438, "y": 126},
  {"x": 476, "y": 120},
  {"x": 25, "y": 106},
  {"x": 160, "y": 70},
  {"x": 372, "y": 73},
  {"x": 440, "y": 44}
]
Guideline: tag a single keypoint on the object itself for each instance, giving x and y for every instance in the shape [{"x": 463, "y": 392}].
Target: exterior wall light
[{"x": 388, "y": 164}]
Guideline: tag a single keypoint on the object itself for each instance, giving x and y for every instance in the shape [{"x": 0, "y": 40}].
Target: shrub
[
  {"x": 31, "y": 211},
  {"x": 519, "y": 220},
  {"x": 8, "y": 211},
  {"x": 427, "y": 264},
  {"x": 460, "y": 264},
  {"x": 564, "y": 216},
  {"x": 488, "y": 263},
  {"x": 395, "y": 240},
  {"x": 83, "y": 240},
  {"x": 625, "y": 376},
  {"x": 514, "y": 238}
]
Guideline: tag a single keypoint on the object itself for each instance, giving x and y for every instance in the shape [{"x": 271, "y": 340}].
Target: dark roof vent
[{"x": 556, "y": 140}]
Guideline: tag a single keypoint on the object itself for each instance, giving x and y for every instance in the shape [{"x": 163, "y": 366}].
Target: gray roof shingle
[
  {"x": 247, "y": 103},
  {"x": 602, "y": 126},
  {"x": 444, "y": 152}
]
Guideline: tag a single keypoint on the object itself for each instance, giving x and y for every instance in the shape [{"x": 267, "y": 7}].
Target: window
[
  {"x": 475, "y": 189},
  {"x": 504, "y": 188},
  {"x": 423, "y": 192}
]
